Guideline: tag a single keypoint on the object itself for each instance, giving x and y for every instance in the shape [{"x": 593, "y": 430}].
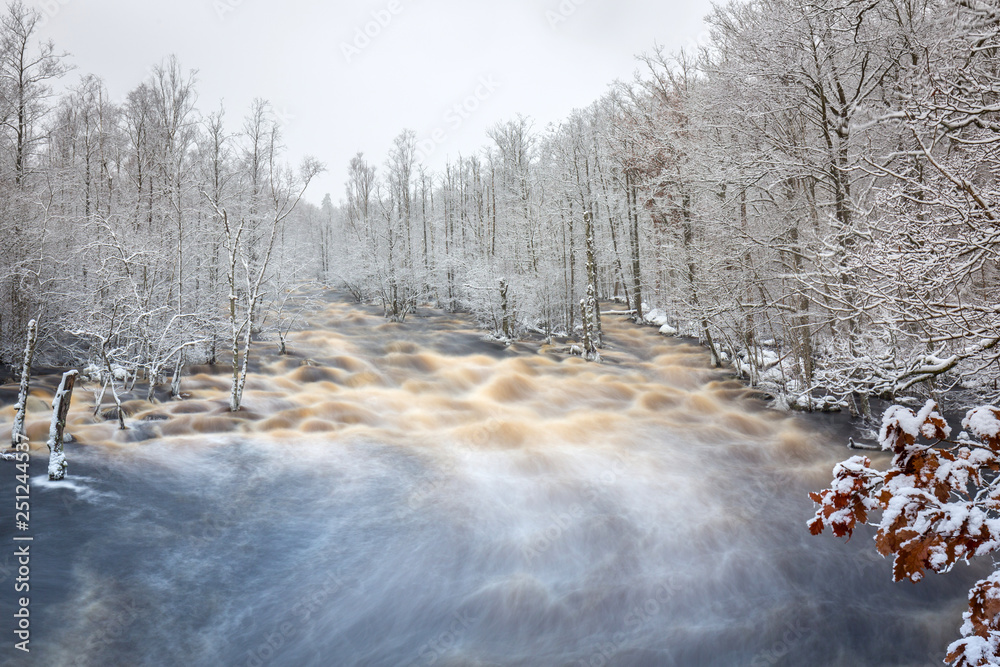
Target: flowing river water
[{"x": 415, "y": 495}]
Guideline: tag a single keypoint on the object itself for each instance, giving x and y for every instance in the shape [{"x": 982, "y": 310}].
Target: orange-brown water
[
  {"x": 366, "y": 382},
  {"x": 470, "y": 504}
]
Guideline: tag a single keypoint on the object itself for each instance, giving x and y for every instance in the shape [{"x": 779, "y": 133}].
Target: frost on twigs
[{"x": 939, "y": 505}]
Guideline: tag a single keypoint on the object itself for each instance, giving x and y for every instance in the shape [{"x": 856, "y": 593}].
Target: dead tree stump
[{"x": 60, "y": 408}]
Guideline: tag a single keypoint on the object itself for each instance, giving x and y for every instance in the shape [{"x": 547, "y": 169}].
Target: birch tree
[{"x": 268, "y": 194}]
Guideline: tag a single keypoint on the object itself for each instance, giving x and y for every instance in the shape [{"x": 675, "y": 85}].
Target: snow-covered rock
[
  {"x": 822, "y": 404},
  {"x": 656, "y": 317},
  {"x": 910, "y": 401}
]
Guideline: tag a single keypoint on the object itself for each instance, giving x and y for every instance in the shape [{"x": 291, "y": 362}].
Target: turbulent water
[{"x": 413, "y": 495}]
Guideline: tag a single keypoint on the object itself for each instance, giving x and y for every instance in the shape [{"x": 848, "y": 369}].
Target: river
[{"x": 414, "y": 495}]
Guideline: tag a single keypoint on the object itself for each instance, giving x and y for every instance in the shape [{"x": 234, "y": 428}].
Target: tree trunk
[
  {"x": 692, "y": 276},
  {"x": 633, "y": 213},
  {"x": 593, "y": 306},
  {"x": 240, "y": 372},
  {"x": 60, "y": 408},
  {"x": 154, "y": 380},
  {"x": 175, "y": 384},
  {"x": 506, "y": 323},
  {"x": 589, "y": 344},
  {"x": 17, "y": 433},
  {"x": 114, "y": 391}
]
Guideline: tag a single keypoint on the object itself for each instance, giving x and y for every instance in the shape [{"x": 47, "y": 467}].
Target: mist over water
[{"x": 413, "y": 495}]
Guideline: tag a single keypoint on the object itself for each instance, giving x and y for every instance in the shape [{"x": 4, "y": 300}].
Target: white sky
[{"x": 431, "y": 55}]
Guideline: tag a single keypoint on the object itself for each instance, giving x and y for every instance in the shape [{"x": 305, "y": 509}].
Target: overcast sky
[{"x": 339, "y": 91}]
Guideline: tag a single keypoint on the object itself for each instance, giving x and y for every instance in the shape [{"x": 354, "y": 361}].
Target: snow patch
[
  {"x": 656, "y": 317},
  {"x": 984, "y": 423}
]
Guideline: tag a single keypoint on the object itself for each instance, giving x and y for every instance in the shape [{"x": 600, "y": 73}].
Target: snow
[
  {"x": 976, "y": 650},
  {"x": 57, "y": 465},
  {"x": 938, "y": 558},
  {"x": 93, "y": 372},
  {"x": 762, "y": 360},
  {"x": 992, "y": 544},
  {"x": 933, "y": 364},
  {"x": 955, "y": 517},
  {"x": 767, "y": 358},
  {"x": 668, "y": 330},
  {"x": 656, "y": 317},
  {"x": 855, "y": 464},
  {"x": 956, "y": 473},
  {"x": 909, "y": 401},
  {"x": 774, "y": 374},
  {"x": 841, "y": 517},
  {"x": 910, "y": 424},
  {"x": 823, "y": 403},
  {"x": 902, "y": 490},
  {"x": 984, "y": 423}
]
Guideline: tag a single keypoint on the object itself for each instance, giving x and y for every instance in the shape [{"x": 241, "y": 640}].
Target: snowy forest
[
  {"x": 448, "y": 381},
  {"x": 812, "y": 195}
]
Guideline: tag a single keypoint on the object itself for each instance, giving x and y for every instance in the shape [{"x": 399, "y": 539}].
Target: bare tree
[{"x": 269, "y": 194}]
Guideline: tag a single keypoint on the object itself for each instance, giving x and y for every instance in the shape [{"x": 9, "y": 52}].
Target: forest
[{"x": 812, "y": 195}]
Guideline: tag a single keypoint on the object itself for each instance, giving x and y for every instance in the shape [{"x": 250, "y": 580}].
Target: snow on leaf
[
  {"x": 901, "y": 428},
  {"x": 974, "y": 651},
  {"x": 984, "y": 423},
  {"x": 848, "y": 500}
]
